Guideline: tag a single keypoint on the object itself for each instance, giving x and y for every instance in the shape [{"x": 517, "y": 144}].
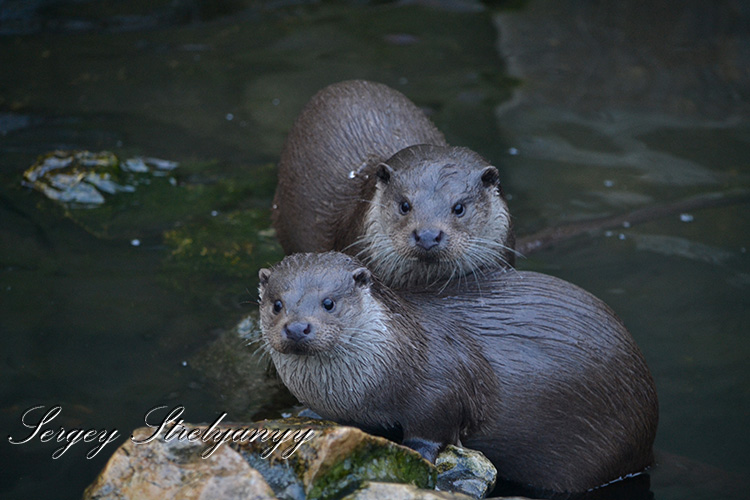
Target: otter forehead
[
  {"x": 415, "y": 155},
  {"x": 311, "y": 275},
  {"x": 444, "y": 179},
  {"x": 311, "y": 282},
  {"x": 431, "y": 170},
  {"x": 312, "y": 263}
]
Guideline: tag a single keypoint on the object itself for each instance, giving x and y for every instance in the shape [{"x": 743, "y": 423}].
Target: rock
[
  {"x": 236, "y": 373},
  {"x": 294, "y": 459},
  {"x": 285, "y": 459},
  {"x": 391, "y": 491},
  {"x": 465, "y": 471},
  {"x": 339, "y": 459},
  {"x": 175, "y": 469},
  {"x": 78, "y": 178}
]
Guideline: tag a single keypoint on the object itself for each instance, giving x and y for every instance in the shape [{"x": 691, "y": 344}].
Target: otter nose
[
  {"x": 298, "y": 330},
  {"x": 428, "y": 238}
]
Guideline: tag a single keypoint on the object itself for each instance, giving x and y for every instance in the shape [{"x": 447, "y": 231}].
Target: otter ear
[
  {"x": 263, "y": 276},
  {"x": 362, "y": 277},
  {"x": 490, "y": 177},
  {"x": 384, "y": 172}
]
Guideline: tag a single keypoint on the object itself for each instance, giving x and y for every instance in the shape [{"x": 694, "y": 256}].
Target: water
[{"x": 587, "y": 111}]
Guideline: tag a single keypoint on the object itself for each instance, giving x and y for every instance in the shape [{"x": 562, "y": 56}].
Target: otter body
[
  {"x": 534, "y": 372},
  {"x": 364, "y": 171}
]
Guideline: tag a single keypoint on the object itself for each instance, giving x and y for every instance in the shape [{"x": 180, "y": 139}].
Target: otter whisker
[
  {"x": 482, "y": 250},
  {"x": 262, "y": 352},
  {"x": 497, "y": 244},
  {"x": 252, "y": 341},
  {"x": 450, "y": 278}
]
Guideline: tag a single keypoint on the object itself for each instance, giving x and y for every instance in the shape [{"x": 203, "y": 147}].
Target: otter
[
  {"x": 364, "y": 171},
  {"x": 536, "y": 373}
]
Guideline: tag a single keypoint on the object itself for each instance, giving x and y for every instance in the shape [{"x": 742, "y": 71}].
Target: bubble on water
[{"x": 686, "y": 218}]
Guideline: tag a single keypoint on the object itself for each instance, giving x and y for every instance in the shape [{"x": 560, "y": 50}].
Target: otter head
[
  {"x": 312, "y": 303},
  {"x": 325, "y": 330},
  {"x": 438, "y": 213}
]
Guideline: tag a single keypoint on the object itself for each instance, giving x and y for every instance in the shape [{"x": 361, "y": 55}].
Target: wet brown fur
[{"x": 536, "y": 373}]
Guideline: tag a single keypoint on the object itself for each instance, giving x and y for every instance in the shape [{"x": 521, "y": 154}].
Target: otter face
[
  {"x": 437, "y": 214},
  {"x": 326, "y": 333},
  {"x": 308, "y": 308}
]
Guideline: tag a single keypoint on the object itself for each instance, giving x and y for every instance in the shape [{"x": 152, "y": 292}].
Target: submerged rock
[
  {"x": 79, "y": 178},
  {"x": 236, "y": 374}
]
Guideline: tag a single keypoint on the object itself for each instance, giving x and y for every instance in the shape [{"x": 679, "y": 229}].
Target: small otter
[
  {"x": 364, "y": 171},
  {"x": 536, "y": 373}
]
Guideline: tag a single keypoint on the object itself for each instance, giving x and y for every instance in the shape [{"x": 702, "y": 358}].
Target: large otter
[
  {"x": 536, "y": 373},
  {"x": 364, "y": 171}
]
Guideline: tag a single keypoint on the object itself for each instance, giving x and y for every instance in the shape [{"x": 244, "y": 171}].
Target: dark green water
[{"x": 586, "y": 110}]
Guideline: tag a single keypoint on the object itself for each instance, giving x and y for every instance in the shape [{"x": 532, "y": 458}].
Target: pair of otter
[{"x": 536, "y": 373}]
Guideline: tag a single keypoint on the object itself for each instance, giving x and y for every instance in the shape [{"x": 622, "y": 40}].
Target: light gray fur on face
[
  {"x": 342, "y": 377},
  {"x": 433, "y": 180}
]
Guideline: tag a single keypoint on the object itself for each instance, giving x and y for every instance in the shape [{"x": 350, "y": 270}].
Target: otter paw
[
  {"x": 428, "y": 449},
  {"x": 308, "y": 413}
]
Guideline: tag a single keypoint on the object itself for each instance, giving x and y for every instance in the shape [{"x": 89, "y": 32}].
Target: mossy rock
[{"x": 337, "y": 461}]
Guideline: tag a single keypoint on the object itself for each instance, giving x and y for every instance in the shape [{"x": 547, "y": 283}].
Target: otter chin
[{"x": 534, "y": 372}]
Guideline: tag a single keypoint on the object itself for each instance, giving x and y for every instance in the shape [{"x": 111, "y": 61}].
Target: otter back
[{"x": 577, "y": 407}]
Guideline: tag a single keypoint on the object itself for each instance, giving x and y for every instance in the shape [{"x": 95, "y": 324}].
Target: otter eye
[
  {"x": 404, "y": 207},
  {"x": 328, "y": 304},
  {"x": 278, "y": 306},
  {"x": 459, "y": 209}
]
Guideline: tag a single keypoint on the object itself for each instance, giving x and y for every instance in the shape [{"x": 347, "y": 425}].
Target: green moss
[
  {"x": 372, "y": 462},
  {"x": 212, "y": 253},
  {"x": 223, "y": 244}
]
